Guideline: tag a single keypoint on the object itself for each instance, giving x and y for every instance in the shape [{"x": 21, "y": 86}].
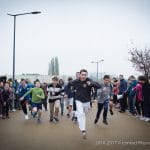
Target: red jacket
[{"x": 138, "y": 90}]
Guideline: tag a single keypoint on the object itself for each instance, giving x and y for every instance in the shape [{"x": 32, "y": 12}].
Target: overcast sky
[{"x": 77, "y": 31}]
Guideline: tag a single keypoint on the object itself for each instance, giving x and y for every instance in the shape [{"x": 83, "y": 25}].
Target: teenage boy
[
  {"x": 83, "y": 87},
  {"x": 37, "y": 97},
  {"x": 22, "y": 89},
  {"x": 54, "y": 97},
  {"x": 5, "y": 98},
  {"x": 104, "y": 94}
]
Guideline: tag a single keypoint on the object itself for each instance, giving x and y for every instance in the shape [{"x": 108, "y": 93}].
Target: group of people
[
  {"x": 133, "y": 95},
  {"x": 78, "y": 95}
]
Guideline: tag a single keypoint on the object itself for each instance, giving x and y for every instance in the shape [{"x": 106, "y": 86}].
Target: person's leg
[
  {"x": 111, "y": 107},
  {"x": 142, "y": 108},
  {"x": 106, "y": 103},
  {"x": 130, "y": 104},
  {"x": 45, "y": 104},
  {"x": 39, "y": 111},
  {"x": 57, "y": 105},
  {"x": 147, "y": 112},
  {"x": 81, "y": 117},
  {"x": 74, "y": 118},
  {"x": 0, "y": 109},
  {"x": 70, "y": 105},
  {"x": 62, "y": 106},
  {"x": 24, "y": 106},
  {"x": 51, "y": 108},
  {"x": 138, "y": 108},
  {"x": 99, "y": 109},
  {"x": 70, "y": 101},
  {"x": 133, "y": 105},
  {"x": 7, "y": 110},
  {"x": 3, "y": 111}
]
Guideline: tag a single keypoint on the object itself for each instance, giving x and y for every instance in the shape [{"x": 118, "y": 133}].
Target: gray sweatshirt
[{"x": 104, "y": 93}]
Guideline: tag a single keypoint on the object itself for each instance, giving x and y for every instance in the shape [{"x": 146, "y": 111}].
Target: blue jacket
[
  {"x": 122, "y": 86},
  {"x": 68, "y": 91},
  {"x": 130, "y": 90},
  {"x": 22, "y": 90}
]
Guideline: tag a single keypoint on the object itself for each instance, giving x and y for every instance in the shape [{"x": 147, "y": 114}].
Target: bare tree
[{"x": 141, "y": 60}]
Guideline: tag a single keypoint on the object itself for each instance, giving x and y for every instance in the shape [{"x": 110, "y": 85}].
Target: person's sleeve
[
  {"x": 1, "y": 97},
  {"x": 125, "y": 86},
  {"x": 43, "y": 95},
  {"x": 27, "y": 93},
  {"x": 95, "y": 85},
  {"x": 111, "y": 90}
]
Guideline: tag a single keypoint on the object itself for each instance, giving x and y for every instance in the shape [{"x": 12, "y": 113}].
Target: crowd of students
[{"x": 77, "y": 96}]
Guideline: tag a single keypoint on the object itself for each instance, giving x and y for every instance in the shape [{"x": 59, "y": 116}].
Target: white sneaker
[
  {"x": 142, "y": 118},
  {"x": 26, "y": 117},
  {"x": 147, "y": 119},
  {"x": 84, "y": 135}
]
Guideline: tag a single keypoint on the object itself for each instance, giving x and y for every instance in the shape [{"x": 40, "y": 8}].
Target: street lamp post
[
  {"x": 97, "y": 66},
  {"x": 14, "y": 42}
]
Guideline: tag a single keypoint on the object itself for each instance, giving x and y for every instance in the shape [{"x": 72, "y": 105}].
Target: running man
[
  {"x": 22, "y": 89},
  {"x": 83, "y": 87},
  {"x": 37, "y": 97},
  {"x": 54, "y": 96},
  {"x": 69, "y": 95},
  {"x": 104, "y": 94}
]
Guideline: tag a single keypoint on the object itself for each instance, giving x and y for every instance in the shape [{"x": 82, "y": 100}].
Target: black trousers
[
  {"x": 5, "y": 109},
  {"x": 147, "y": 110},
  {"x": 45, "y": 103},
  {"x": 74, "y": 105},
  {"x": 139, "y": 107},
  {"x": 100, "y": 107},
  {"x": 123, "y": 103},
  {"x": 24, "y": 106}
]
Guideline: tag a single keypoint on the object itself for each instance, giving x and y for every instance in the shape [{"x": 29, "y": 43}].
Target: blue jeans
[
  {"x": 132, "y": 104},
  {"x": 100, "y": 107}
]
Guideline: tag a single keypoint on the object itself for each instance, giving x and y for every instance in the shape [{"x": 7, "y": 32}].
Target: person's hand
[
  {"x": 65, "y": 96},
  {"x": 53, "y": 93},
  {"x": 88, "y": 83},
  {"x": 111, "y": 98},
  {"x": 38, "y": 96},
  {"x": 21, "y": 98},
  {"x": 4, "y": 103}
]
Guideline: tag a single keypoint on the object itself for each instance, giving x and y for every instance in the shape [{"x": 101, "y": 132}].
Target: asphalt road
[{"x": 124, "y": 132}]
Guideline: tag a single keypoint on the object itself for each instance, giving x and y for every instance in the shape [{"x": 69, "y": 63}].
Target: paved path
[{"x": 19, "y": 134}]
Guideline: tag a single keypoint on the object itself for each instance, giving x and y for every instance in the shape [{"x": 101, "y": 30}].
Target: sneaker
[
  {"x": 56, "y": 119},
  {"x": 111, "y": 112},
  {"x": 142, "y": 118},
  {"x": 96, "y": 120},
  {"x": 68, "y": 115},
  {"x": 84, "y": 135},
  {"x": 26, "y": 117},
  {"x": 51, "y": 120},
  {"x": 105, "y": 122},
  {"x": 75, "y": 119},
  {"x": 147, "y": 119},
  {"x": 121, "y": 111},
  {"x": 34, "y": 114}
]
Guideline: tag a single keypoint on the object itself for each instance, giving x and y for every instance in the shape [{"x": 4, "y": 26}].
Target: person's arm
[
  {"x": 94, "y": 84},
  {"x": 26, "y": 94},
  {"x": 1, "y": 96},
  {"x": 124, "y": 86},
  {"x": 42, "y": 96}
]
